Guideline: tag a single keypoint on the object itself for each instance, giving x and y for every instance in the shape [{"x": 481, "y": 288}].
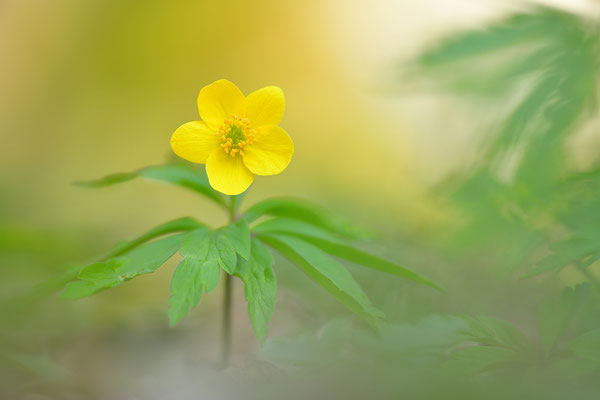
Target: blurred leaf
[
  {"x": 512, "y": 31},
  {"x": 39, "y": 366},
  {"x": 578, "y": 202},
  {"x": 238, "y": 234},
  {"x": 578, "y": 249},
  {"x": 303, "y": 211},
  {"x": 260, "y": 288},
  {"x": 191, "y": 277},
  {"x": 556, "y": 314},
  {"x": 496, "y": 332},
  {"x": 332, "y": 245},
  {"x": 181, "y": 224},
  {"x": 587, "y": 346},
  {"x": 323, "y": 347},
  {"x": 501, "y": 345},
  {"x": 476, "y": 359},
  {"x": 548, "y": 61},
  {"x": 327, "y": 272},
  {"x": 177, "y": 174},
  {"x": 144, "y": 259},
  {"x": 211, "y": 245},
  {"x": 395, "y": 347}
]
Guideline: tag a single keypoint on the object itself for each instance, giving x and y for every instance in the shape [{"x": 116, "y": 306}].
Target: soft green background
[{"x": 95, "y": 87}]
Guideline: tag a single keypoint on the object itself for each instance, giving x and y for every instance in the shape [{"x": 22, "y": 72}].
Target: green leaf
[
  {"x": 556, "y": 314},
  {"x": 144, "y": 259},
  {"x": 199, "y": 270},
  {"x": 260, "y": 288},
  {"x": 191, "y": 277},
  {"x": 238, "y": 234},
  {"x": 210, "y": 245},
  {"x": 515, "y": 30},
  {"x": 332, "y": 245},
  {"x": 587, "y": 346},
  {"x": 300, "y": 210},
  {"x": 327, "y": 272},
  {"x": 227, "y": 257},
  {"x": 181, "y": 224},
  {"x": 149, "y": 257},
  {"x": 94, "y": 278},
  {"x": 496, "y": 332},
  {"x": 566, "y": 252},
  {"x": 292, "y": 227},
  {"x": 476, "y": 359},
  {"x": 178, "y": 174}
]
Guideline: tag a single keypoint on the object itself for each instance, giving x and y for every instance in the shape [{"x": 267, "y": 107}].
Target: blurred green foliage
[
  {"x": 517, "y": 257},
  {"x": 522, "y": 193}
]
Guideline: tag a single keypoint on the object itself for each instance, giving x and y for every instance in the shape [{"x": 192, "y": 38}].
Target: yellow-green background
[{"x": 89, "y": 88}]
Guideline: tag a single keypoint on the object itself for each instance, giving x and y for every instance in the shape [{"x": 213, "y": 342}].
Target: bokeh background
[{"x": 96, "y": 87}]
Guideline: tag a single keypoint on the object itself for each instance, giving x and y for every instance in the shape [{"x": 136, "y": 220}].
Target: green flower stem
[
  {"x": 226, "y": 344},
  {"x": 227, "y": 299}
]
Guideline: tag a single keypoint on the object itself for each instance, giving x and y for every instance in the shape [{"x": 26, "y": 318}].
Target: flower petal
[
  {"x": 270, "y": 153},
  {"x": 218, "y": 101},
  {"x": 265, "y": 106},
  {"x": 228, "y": 174},
  {"x": 194, "y": 141}
]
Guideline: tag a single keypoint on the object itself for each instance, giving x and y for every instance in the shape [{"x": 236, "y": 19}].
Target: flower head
[{"x": 237, "y": 136}]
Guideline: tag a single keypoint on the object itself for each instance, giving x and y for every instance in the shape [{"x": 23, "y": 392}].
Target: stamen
[{"x": 236, "y": 134}]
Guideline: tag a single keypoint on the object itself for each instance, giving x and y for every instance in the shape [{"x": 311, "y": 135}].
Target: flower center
[{"x": 236, "y": 134}]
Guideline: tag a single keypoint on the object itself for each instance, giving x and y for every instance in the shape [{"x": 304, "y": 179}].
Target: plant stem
[
  {"x": 226, "y": 328},
  {"x": 227, "y": 297}
]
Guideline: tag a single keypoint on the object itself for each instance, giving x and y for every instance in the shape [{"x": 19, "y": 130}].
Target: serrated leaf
[
  {"x": 496, "y": 332},
  {"x": 191, "y": 278},
  {"x": 556, "y": 314},
  {"x": 332, "y": 245},
  {"x": 227, "y": 257},
  {"x": 566, "y": 252},
  {"x": 326, "y": 272},
  {"x": 304, "y": 211},
  {"x": 197, "y": 244},
  {"x": 178, "y": 174},
  {"x": 144, "y": 259},
  {"x": 211, "y": 245},
  {"x": 260, "y": 288},
  {"x": 238, "y": 234}
]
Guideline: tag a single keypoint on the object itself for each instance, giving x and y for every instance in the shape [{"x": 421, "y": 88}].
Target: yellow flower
[{"x": 237, "y": 137}]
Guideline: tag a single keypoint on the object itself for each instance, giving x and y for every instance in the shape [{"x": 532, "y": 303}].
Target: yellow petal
[
  {"x": 219, "y": 101},
  {"x": 265, "y": 106},
  {"x": 227, "y": 174},
  {"x": 270, "y": 153},
  {"x": 194, "y": 141}
]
